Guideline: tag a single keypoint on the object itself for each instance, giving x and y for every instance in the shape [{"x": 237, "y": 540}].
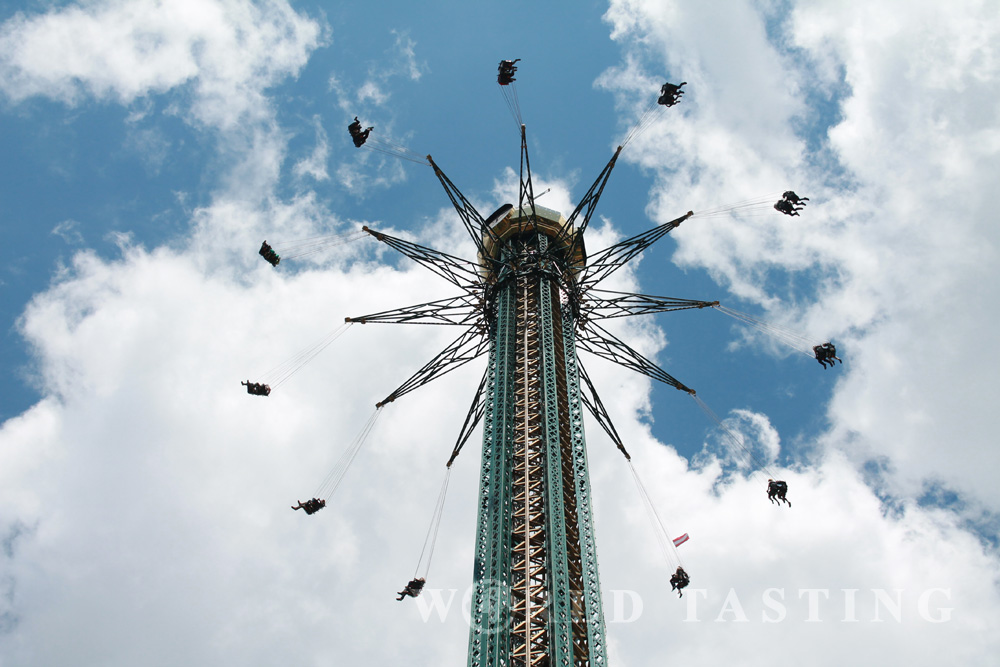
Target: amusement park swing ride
[{"x": 529, "y": 302}]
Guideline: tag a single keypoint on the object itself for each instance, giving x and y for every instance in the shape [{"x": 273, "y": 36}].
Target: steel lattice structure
[{"x": 530, "y": 302}]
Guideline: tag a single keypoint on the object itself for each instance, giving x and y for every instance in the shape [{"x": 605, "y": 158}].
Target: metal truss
[
  {"x": 471, "y": 218},
  {"x": 536, "y": 589},
  {"x": 464, "y": 310},
  {"x": 459, "y": 272},
  {"x": 526, "y": 188},
  {"x": 470, "y": 345},
  {"x": 472, "y": 419},
  {"x": 597, "y": 409},
  {"x": 602, "y": 264},
  {"x": 599, "y": 341},
  {"x": 589, "y": 202},
  {"x": 607, "y": 304},
  {"x": 529, "y": 614},
  {"x": 588, "y": 612},
  {"x": 490, "y": 627}
]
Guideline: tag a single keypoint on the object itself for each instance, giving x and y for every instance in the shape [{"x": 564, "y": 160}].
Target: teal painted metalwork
[
  {"x": 490, "y": 623},
  {"x": 593, "y": 608},
  {"x": 536, "y": 597},
  {"x": 560, "y": 593}
]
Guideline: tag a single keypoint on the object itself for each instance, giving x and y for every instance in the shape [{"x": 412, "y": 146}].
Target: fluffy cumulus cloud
[
  {"x": 893, "y": 133},
  {"x": 143, "y": 515},
  {"x": 227, "y": 51}
]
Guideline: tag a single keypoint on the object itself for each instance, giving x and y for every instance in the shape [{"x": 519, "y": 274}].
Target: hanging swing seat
[{"x": 412, "y": 589}]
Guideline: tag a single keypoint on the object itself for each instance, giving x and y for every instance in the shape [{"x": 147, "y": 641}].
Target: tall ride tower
[
  {"x": 537, "y": 595},
  {"x": 529, "y": 302}
]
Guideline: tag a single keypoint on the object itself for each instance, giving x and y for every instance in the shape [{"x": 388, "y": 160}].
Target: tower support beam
[{"x": 536, "y": 597}]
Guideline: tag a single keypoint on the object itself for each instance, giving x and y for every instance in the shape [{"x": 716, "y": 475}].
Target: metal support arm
[
  {"x": 471, "y": 344},
  {"x": 459, "y": 272},
  {"x": 607, "y": 304},
  {"x": 462, "y": 310},
  {"x": 600, "y": 342},
  {"x": 471, "y": 218},
  {"x": 596, "y": 407},
  {"x": 472, "y": 419},
  {"x": 602, "y": 264},
  {"x": 589, "y": 202}
]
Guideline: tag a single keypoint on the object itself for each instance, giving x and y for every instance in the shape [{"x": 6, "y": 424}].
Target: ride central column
[{"x": 536, "y": 597}]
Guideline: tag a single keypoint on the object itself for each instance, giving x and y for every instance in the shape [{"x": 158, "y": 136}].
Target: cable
[
  {"x": 336, "y": 475},
  {"x": 662, "y": 536},
  {"x": 792, "y": 339},
  {"x": 432, "y": 532},
  {"x": 315, "y": 244},
  {"x": 282, "y": 372},
  {"x": 509, "y": 93},
  {"x": 380, "y": 145},
  {"x": 761, "y": 466}
]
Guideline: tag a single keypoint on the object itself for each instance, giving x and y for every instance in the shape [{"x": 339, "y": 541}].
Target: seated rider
[
  {"x": 355, "y": 127},
  {"x": 776, "y": 489},
  {"x": 679, "y": 580},
  {"x": 831, "y": 353},
  {"x": 786, "y": 207},
  {"x": 361, "y": 137},
  {"x": 310, "y": 506},
  {"x": 790, "y": 196},
  {"x": 412, "y": 589}
]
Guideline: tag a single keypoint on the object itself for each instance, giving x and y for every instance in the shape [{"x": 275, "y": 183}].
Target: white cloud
[
  {"x": 227, "y": 51},
  {"x": 911, "y": 306},
  {"x": 153, "y": 488},
  {"x": 68, "y": 231},
  {"x": 315, "y": 165},
  {"x": 408, "y": 56}
]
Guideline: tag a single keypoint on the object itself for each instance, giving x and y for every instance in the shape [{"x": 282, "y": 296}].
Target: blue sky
[{"x": 149, "y": 149}]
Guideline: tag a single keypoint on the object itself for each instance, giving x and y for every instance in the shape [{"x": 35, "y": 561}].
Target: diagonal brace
[
  {"x": 607, "y": 304},
  {"x": 601, "y": 264},
  {"x": 526, "y": 188},
  {"x": 589, "y": 202},
  {"x": 599, "y": 341},
  {"x": 596, "y": 407},
  {"x": 471, "y": 218},
  {"x": 472, "y": 419},
  {"x": 455, "y": 270},
  {"x": 471, "y": 344},
  {"x": 460, "y": 310}
]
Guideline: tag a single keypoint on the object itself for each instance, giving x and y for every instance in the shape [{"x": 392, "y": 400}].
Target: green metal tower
[
  {"x": 537, "y": 595},
  {"x": 530, "y": 301}
]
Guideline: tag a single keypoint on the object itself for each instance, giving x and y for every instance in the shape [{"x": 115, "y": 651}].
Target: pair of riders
[
  {"x": 679, "y": 580},
  {"x": 505, "y": 72},
  {"x": 256, "y": 388},
  {"x": 790, "y": 203},
  {"x": 670, "y": 94},
  {"x": 267, "y": 252},
  {"x": 412, "y": 589},
  {"x": 826, "y": 354},
  {"x": 776, "y": 490},
  {"x": 310, "y": 506}
]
